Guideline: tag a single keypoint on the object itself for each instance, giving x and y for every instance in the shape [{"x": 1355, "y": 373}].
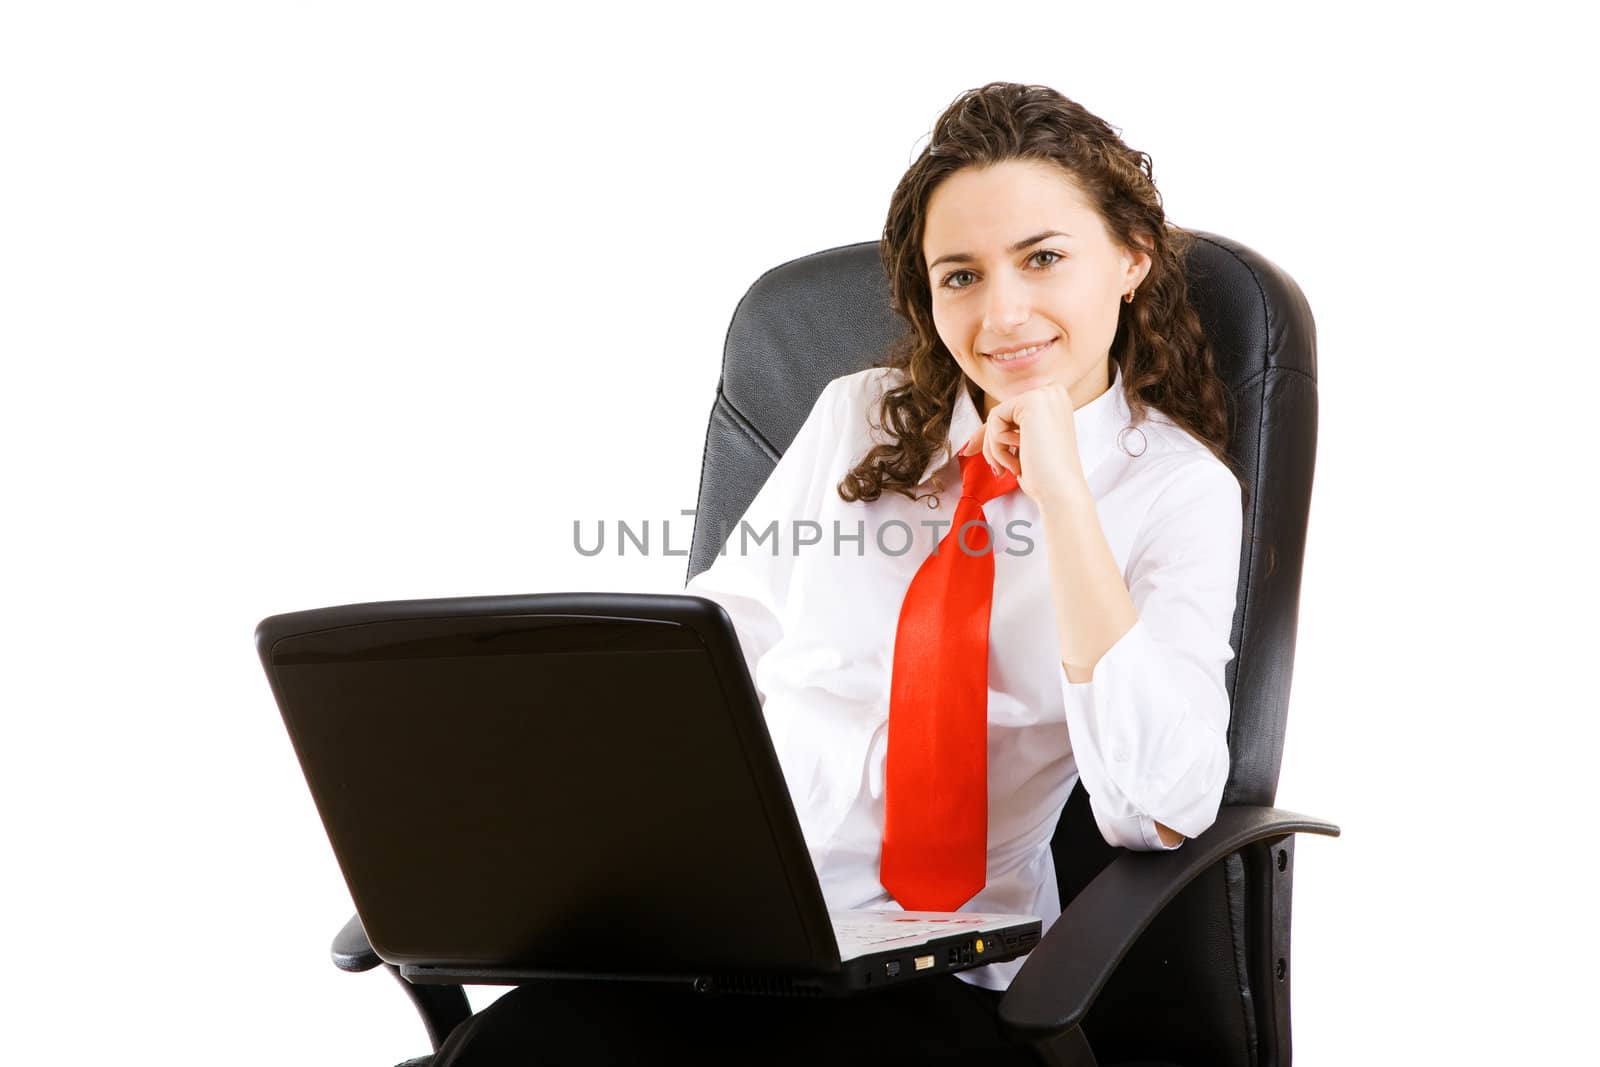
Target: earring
[{"x": 1127, "y": 298}]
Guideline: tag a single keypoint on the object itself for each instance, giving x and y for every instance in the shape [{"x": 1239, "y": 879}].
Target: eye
[{"x": 949, "y": 278}]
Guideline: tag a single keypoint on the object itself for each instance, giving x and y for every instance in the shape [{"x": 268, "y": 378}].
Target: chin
[{"x": 1015, "y": 384}]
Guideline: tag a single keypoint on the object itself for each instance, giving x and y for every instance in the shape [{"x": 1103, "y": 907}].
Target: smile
[{"x": 1023, "y": 358}]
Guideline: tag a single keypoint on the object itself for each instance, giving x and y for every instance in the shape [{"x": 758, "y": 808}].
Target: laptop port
[
  {"x": 955, "y": 956},
  {"x": 892, "y": 968},
  {"x": 924, "y": 963}
]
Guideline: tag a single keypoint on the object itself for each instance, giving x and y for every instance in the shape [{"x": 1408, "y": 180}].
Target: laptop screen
[{"x": 562, "y": 781}]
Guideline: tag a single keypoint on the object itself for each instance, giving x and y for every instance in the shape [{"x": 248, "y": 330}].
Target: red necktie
[{"x": 936, "y": 778}]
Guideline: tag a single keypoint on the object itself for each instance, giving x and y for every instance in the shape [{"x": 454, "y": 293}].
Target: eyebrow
[{"x": 968, "y": 257}]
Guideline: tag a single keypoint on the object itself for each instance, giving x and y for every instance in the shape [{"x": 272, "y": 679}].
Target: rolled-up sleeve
[
  {"x": 1150, "y": 728},
  {"x": 750, "y": 577}
]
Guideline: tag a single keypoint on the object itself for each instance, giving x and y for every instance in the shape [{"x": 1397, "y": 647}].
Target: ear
[{"x": 1136, "y": 264}]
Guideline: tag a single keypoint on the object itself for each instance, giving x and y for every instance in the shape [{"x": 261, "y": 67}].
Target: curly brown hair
[{"x": 1159, "y": 344}]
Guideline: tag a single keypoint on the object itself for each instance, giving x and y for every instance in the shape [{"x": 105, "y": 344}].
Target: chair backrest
[{"x": 810, "y": 320}]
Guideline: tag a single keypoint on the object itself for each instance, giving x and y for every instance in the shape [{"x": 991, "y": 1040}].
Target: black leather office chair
[{"x": 1176, "y": 958}]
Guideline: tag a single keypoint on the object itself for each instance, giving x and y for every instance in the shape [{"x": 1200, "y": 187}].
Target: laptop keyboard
[{"x": 854, "y": 934}]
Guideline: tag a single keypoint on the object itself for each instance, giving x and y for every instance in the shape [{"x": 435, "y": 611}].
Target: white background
[{"x": 309, "y": 304}]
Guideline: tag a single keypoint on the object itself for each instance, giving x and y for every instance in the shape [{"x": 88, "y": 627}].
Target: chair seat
[{"x": 426, "y": 1061}]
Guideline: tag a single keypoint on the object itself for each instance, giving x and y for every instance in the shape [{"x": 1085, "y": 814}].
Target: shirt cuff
[
  {"x": 1152, "y": 836},
  {"x": 1130, "y": 742},
  {"x": 1136, "y": 831}
]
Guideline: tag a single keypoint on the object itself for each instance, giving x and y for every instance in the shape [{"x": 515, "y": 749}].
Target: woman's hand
[{"x": 1034, "y": 436}]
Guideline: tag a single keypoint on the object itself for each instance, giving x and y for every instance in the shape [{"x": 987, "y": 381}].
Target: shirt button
[{"x": 1120, "y": 755}]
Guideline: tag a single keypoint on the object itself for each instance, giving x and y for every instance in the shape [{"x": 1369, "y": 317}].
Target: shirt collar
[{"x": 1098, "y": 423}]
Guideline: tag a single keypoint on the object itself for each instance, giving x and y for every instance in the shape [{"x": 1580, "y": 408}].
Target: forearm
[{"x": 1092, "y": 605}]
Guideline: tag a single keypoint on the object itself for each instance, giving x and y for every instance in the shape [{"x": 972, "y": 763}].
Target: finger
[
  {"x": 1000, "y": 456},
  {"x": 975, "y": 442},
  {"x": 1004, "y": 435},
  {"x": 997, "y": 422},
  {"x": 988, "y": 450}
]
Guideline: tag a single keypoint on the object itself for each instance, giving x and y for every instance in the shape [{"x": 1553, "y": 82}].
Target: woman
[{"x": 1053, "y": 351}]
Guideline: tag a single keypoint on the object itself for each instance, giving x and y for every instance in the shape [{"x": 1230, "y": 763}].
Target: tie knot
[{"x": 982, "y": 485}]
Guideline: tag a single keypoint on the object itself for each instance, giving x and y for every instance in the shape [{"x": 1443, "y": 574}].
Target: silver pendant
[{"x": 1122, "y": 441}]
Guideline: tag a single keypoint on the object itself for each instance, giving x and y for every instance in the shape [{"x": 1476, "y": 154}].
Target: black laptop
[{"x": 577, "y": 785}]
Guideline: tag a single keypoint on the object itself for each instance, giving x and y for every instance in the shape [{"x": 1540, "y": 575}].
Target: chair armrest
[
  {"x": 352, "y": 951},
  {"x": 442, "y": 1007},
  {"x": 1066, "y": 971}
]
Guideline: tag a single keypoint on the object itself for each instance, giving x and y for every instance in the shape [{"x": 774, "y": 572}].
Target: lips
[
  {"x": 1011, "y": 363},
  {"x": 1009, "y": 349}
]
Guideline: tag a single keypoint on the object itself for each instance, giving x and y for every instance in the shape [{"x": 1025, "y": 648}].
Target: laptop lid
[{"x": 549, "y": 782}]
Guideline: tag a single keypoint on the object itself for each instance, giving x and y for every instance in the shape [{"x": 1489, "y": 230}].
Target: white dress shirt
[{"x": 816, "y": 602}]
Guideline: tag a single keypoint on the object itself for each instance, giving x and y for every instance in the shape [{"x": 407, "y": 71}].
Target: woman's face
[{"x": 1016, "y": 256}]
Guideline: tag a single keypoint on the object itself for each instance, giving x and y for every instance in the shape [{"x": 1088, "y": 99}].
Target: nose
[{"x": 1005, "y": 305}]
